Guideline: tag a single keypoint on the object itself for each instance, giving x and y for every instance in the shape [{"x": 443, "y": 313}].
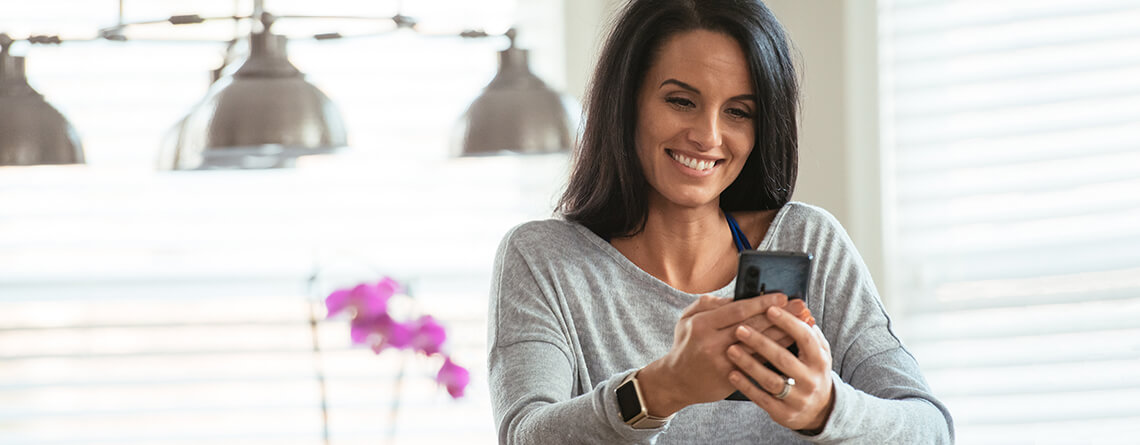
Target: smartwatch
[{"x": 631, "y": 405}]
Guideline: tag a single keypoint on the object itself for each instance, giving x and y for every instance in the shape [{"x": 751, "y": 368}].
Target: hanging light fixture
[
  {"x": 265, "y": 115},
  {"x": 517, "y": 113},
  {"x": 32, "y": 132}
]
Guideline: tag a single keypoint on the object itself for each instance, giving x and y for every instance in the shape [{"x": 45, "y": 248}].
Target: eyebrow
[{"x": 686, "y": 86}]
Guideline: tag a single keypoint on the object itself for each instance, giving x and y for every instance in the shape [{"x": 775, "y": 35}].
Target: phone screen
[{"x": 762, "y": 273}]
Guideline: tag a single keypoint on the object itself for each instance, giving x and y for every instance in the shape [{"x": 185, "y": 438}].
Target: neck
[{"x": 691, "y": 249}]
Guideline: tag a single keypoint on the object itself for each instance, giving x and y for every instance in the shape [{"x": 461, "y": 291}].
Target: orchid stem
[
  {"x": 394, "y": 410},
  {"x": 318, "y": 366}
]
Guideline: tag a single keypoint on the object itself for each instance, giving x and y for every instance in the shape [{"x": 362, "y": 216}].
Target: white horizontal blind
[
  {"x": 1014, "y": 131},
  {"x": 139, "y": 306},
  {"x": 174, "y": 307}
]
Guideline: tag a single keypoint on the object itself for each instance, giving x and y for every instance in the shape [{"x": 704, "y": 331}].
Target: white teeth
[{"x": 692, "y": 163}]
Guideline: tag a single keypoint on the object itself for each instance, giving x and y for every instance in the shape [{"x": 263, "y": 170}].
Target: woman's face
[{"x": 695, "y": 118}]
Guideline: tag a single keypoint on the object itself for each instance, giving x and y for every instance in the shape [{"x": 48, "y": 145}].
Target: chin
[{"x": 690, "y": 199}]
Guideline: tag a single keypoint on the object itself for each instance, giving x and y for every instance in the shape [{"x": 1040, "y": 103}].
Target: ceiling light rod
[
  {"x": 267, "y": 19},
  {"x": 6, "y": 41}
]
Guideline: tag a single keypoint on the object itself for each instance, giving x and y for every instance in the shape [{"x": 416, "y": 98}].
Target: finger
[
  {"x": 759, "y": 396},
  {"x": 777, "y": 335},
  {"x": 773, "y": 333},
  {"x": 771, "y": 351},
  {"x": 754, "y": 368},
  {"x": 795, "y": 306},
  {"x": 810, "y": 348},
  {"x": 736, "y": 312},
  {"x": 703, "y": 304},
  {"x": 760, "y": 322},
  {"x": 745, "y": 348},
  {"x": 759, "y": 357}
]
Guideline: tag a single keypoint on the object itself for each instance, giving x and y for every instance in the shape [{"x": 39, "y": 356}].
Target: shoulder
[
  {"x": 543, "y": 233},
  {"x": 546, "y": 249},
  {"x": 805, "y": 227},
  {"x": 809, "y": 217},
  {"x": 550, "y": 237}
]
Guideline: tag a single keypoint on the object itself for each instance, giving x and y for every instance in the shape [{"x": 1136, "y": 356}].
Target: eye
[
  {"x": 680, "y": 102},
  {"x": 739, "y": 113}
]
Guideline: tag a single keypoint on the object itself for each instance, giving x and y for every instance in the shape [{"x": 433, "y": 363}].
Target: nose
[{"x": 705, "y": 131}]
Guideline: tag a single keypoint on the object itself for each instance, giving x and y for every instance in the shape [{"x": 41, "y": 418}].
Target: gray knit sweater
[{"x": 570, "y": 317}]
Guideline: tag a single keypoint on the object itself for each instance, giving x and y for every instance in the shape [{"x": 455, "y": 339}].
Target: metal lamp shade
[
  {"x": 32, "y": 132},
  {"x": 264, "y": 116},
  {"x": 517, "y": 113}
]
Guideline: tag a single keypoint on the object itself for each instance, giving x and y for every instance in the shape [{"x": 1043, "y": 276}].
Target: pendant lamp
[
  {"x": 32, "y": 132},
  {"x": 517, "y": 113},
  {"x": 264, "y": 115}
]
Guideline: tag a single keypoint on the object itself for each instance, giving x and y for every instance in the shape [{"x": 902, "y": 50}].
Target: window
[
  {"x": 1014, "y": 132},
  {"x": 143, "y": 306}
]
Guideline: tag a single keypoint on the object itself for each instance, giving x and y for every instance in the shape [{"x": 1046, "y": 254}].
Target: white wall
[{"x": 586, "y": 21}]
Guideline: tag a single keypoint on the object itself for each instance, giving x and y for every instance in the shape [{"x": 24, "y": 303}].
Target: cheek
[
  {"x": 661, "y": 133},
  {"x": 651, "y": 134},
  {"x": 744, "y": 135},
  {"x": 743, "y": 142},
  {"x": 643, "y": 146},
  {"x": 641, "y": 142},
  {"x": 742, "y": 149}
]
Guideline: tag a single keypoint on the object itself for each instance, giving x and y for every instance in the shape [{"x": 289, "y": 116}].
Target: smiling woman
[{"x": 621, "y": 309}]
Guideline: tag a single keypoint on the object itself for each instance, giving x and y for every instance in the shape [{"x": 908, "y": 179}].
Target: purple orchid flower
[
  {"x": 454, "y": 377},
  {"x": 361, "y": 328},
  {"x": 366, "y": 300},
  {"x": 372, "y": 325},
  {"x": 398, "y": 336},
  {"x": 429, "y": 335},
  {"x": 381, "y": 332}
]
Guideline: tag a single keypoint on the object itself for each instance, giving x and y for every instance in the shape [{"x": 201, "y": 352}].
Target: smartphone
[{"x": 762, "y": 272}]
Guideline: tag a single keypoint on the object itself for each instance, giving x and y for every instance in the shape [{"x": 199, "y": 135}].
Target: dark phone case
[{"x": 763, "y": 272}]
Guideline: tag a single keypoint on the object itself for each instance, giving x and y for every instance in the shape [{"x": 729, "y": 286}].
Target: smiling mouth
[{"x": 692, "y": 163}]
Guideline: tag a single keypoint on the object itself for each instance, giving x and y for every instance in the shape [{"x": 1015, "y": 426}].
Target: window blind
[
  {"x": 1013, "y": 140},
  {"x": 175, "y": 307},
  {"x": 144, "y": 306},
  {"x": 168, "y": 307}
]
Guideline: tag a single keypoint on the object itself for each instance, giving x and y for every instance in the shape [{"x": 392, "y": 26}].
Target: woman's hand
[
  {"x": 808, "y": 404},
  {"x": 695, "y": 370},
  {"x": 761, "y": 323}
]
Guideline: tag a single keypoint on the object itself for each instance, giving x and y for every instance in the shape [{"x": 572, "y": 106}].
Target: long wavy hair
[{"x": 607, "y": 191}]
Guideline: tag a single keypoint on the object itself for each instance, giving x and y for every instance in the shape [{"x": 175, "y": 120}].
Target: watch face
[{"x": 627, "y": 401}]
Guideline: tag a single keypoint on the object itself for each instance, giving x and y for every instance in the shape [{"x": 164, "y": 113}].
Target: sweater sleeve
[
  {"x": 880, "y": 394},
  {"x": 533, "y": 364}
]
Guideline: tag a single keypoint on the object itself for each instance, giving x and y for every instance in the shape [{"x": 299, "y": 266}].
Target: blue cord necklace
[{"x": 737, "y": 235}]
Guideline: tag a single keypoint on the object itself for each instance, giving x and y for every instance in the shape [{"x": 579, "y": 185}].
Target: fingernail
[
  {"x": 774, "y": 313},
  {"x": 734, "y": 351},
  {"x": 743, "y": 331}
]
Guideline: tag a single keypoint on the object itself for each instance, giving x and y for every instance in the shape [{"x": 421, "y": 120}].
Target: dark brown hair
[{"x": 607, "y": 191}]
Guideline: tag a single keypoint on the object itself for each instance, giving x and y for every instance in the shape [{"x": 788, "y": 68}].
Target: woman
[{"x": 615, "y": 324}]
